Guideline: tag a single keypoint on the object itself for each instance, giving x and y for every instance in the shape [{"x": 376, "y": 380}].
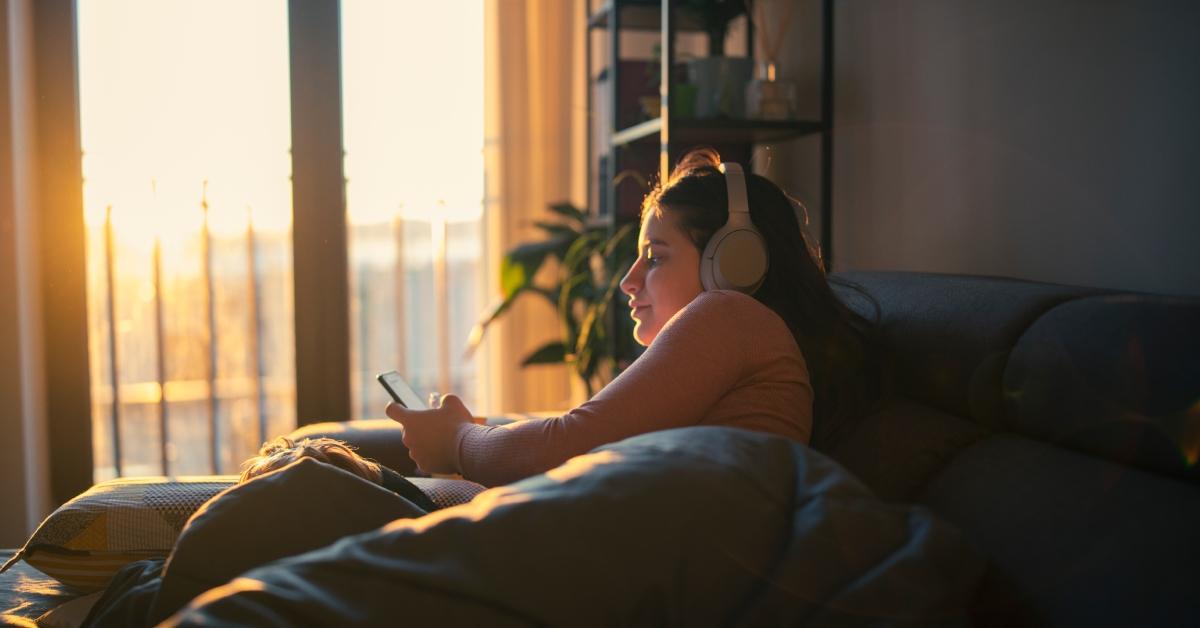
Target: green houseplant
[{"x": 594, "y": 320}]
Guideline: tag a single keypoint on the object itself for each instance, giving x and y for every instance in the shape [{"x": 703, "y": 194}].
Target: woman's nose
[{"x": 632, "y": 281}]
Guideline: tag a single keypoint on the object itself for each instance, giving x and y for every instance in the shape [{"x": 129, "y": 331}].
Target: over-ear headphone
[{"x": 736, "y": 255}]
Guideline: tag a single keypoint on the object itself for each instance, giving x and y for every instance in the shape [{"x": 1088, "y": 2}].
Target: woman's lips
[{"x": 638, "y": 309}]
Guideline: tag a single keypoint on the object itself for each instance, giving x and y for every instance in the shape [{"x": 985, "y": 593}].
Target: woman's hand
[{"x": 431, "y": 435}]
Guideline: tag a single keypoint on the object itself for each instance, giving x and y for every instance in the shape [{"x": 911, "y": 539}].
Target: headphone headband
[{"x": 735, "y": 186}]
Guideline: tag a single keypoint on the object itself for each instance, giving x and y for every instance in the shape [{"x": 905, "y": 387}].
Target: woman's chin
[{"x": 643, "y": 334}]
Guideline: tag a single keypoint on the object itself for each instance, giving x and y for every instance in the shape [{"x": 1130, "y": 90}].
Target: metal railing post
[
  {"x": 114, "y": 379},
  {"x": 210, "y": 306}
]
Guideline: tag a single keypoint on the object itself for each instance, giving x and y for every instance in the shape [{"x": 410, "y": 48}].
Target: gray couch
[{"x": 1058, "y": 426}]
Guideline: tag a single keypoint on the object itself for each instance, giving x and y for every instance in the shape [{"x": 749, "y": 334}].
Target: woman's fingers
[
  {"x": 429, "y": 435},
  {"x": 453, "y": 402},
  {"x": 397, "y": 412}
]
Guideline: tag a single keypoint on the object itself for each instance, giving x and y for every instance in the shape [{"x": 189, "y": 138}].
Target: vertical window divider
[
  {"x": 320, "y": 248},
  {"x": 62, "y": 240}
]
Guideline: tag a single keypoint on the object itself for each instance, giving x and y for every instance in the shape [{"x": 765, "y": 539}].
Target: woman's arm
[{"x": 701, "y": 354}]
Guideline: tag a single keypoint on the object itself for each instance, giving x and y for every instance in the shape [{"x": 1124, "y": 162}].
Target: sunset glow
[
  {"x": 174, "y": 94},
  {"x": 186, "y": 135}
]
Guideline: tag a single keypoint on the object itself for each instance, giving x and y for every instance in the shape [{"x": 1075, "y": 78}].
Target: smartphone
[{"x": 400, "y": 391}]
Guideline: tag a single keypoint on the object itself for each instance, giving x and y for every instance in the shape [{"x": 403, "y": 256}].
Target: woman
[{"x": 773, "y": 361}]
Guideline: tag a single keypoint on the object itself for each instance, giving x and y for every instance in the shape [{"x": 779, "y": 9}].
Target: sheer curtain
[{"x": 534, "y": 148}]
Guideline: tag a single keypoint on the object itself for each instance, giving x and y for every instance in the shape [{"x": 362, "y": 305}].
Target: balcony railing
[
  {"x": 197, "y": 370},
  {"x": 214, "y": 339}
]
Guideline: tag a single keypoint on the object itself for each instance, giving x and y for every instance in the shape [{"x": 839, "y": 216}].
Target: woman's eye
[{"x": 652, "y": 261}]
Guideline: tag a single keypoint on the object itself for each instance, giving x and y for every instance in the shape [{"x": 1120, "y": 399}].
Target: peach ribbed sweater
[{"x": 725, "y": 359}]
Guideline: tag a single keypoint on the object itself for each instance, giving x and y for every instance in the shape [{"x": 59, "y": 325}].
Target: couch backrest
[
  {"x": 1059, "y": 427},
  {"x": 949, "y": 335},
  {"x": 1117, "y": 377}
]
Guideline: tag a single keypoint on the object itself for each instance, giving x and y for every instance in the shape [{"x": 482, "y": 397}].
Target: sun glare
[
  {"x": 186, "y": 134},
  {"x": 185, "y": 124},
  {"x": 175, "y": 94},
  {"x": 413, "y": 86}
]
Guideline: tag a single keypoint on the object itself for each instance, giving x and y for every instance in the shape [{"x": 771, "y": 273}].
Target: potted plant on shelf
[
  {"x": 720, "y": 80},
  {"x": 592, "y": 259}
]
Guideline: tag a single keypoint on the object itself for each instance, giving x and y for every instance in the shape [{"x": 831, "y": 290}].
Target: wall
[
  {"x": 24, "y": 471},
  {"x": 1055, "y": 141}
]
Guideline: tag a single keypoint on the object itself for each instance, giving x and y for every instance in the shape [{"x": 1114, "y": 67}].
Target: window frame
[{"x": 320, "y": 245}]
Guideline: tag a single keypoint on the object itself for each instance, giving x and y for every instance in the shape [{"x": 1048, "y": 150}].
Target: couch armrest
[
  {"x": 382, "y": 439},
  {"x": 378, "y": 439}
]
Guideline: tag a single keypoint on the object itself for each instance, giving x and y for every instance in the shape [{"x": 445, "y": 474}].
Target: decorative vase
[{"x": 768, "y": 98}]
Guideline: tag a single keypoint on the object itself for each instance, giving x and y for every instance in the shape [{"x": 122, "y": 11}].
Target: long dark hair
[{"x": 839, "y": 345}]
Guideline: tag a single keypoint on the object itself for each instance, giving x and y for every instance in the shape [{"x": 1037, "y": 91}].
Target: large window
[
  {"x": 185, "y": 132},
  {"x": 186, "y": 129}
]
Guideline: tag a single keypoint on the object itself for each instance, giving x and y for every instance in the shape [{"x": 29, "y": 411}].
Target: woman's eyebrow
[{"x": 655, "y": 241}]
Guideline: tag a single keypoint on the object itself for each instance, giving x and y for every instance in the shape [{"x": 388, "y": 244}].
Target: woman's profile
[{"x": 768, "y": 346}]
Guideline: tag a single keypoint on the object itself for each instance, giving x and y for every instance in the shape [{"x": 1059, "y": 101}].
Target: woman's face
[{"x": 665, "y": 277}]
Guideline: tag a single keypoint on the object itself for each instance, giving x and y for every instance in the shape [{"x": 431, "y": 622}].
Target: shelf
[
  {"x": 646, "y": 15},
  {"x": 719, "y": 131},
  {"x": 649, "y": 128}
]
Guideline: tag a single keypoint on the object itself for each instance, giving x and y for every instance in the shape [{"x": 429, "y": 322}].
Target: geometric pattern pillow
[
  {"x": 88, "y": 539},
  {"x": 446, "y": 492}
]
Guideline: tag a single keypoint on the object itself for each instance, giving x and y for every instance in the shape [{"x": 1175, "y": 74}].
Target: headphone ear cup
[
  {"x": 735, "y": 259},
  {"x": 742, "y": 260}
]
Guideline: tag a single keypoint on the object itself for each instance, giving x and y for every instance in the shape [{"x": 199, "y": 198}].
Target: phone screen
[{"x": 400, "y": 391}]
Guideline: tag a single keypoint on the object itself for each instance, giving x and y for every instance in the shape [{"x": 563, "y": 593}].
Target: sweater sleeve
[{"x": 701, "y": 354}]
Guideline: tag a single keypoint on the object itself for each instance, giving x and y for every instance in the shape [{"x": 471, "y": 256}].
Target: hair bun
[{"x": 697, "y": 159}]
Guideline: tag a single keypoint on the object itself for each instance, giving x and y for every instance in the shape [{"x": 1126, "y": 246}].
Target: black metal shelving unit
[{"x": 674, "y": 134}]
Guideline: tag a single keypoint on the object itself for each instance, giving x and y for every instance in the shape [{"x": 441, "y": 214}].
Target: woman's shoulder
[
  {"x": 730, "y": 303},
  {"x": 729, "y": 309}
]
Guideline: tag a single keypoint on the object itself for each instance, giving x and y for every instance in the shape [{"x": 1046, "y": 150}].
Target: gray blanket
[{"x": 690, "y": 527}]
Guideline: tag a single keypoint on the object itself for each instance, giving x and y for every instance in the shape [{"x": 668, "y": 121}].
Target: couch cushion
[
  {"x": 897, "y": 450},
  {"x": 1080, "y": 541},
  {"x": 1114, "y": 376},
  {"x": 949, "y": 335}
]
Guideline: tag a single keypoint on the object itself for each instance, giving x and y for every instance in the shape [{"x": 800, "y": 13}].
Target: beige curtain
[
  {"x": 24, "y": 464},
  {"x": 535, "y": 126}
]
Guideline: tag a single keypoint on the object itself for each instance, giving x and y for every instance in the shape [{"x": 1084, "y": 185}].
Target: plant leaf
[
  {"x": 518, "y": 267},
  {"x": 520, "y": 264},
  {"x": 550, "y": 353},
  {"x": 618, "y": 242},
  {"x": 550, "y": 294},
  {"x": 596, "y": 311},
  {"x": 555, "y": 229},
  {"x": 568, "y": 210},
  {"x": 489, "y": 316},
  {"x": 579, "y": 253},
  {"x": 570, "y": 291}
]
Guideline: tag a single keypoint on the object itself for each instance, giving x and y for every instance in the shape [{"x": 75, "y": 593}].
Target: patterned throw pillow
[{"x": 88, "y": 539}]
